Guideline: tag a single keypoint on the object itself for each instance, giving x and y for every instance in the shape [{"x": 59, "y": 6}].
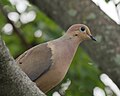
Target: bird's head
[{"x": 80, "y": 31}]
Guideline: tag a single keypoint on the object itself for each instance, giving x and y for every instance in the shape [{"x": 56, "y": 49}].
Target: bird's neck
[{"x": 63, "y": 51}]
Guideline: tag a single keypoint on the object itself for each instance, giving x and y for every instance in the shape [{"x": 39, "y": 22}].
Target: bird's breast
[
  {"x": 62, "y": 55},
  {"x": 49, "y": 80}
]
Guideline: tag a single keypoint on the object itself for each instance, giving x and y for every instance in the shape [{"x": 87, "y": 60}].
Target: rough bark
[
  {"x": 105, "y": 52},
  {"x": 13, "y": 81}
]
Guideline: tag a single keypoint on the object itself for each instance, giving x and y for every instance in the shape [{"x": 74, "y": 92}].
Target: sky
[{"x": 110, "y": 9}]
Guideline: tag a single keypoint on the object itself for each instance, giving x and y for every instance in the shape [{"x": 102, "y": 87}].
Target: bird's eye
[{"x": 82, "y": 29}]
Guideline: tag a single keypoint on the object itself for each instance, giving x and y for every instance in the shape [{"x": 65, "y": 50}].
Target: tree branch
[{"x": 13, "y": 81}]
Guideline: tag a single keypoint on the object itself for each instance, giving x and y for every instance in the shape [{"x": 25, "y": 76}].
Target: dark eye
[{"x": 82, "y": 29}]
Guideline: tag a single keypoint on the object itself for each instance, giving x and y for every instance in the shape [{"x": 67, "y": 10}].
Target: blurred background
[{"x": 23, "y": 25}]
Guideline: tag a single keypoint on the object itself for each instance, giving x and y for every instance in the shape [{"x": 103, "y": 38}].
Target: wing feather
[{"x": 35, "y": 61}]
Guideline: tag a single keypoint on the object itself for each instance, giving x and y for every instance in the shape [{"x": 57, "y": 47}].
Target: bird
[{"x": 46, "y": 64}]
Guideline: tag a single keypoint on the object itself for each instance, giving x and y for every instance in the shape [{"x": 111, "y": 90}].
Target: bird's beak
[{"x": 92, "y": 37}]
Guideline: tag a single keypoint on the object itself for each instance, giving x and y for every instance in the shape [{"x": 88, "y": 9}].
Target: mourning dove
[{"x": 47, "y": 64}]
